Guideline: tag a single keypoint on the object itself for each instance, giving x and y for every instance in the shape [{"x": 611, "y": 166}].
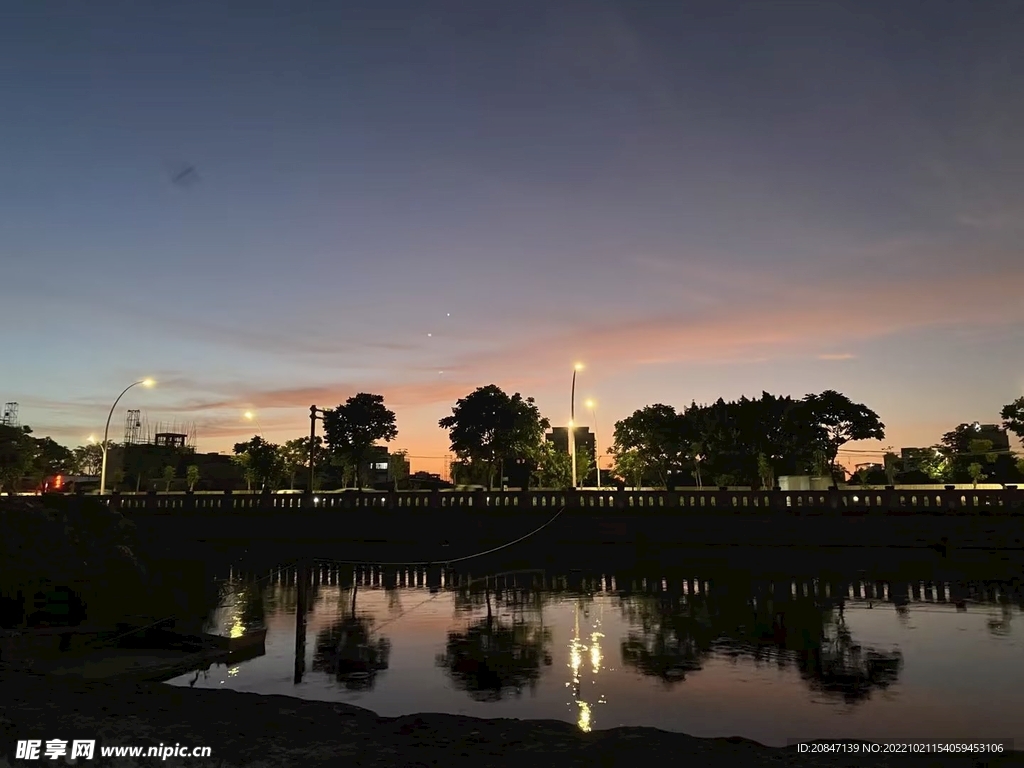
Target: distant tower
[
  {"x": 10, "y": 415},
  {"x": 132, "y": 427}
]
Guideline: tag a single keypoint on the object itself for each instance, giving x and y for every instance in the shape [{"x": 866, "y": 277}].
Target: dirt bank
[{"x": 246, "y": 729}]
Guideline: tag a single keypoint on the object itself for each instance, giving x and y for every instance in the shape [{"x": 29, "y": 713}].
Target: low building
[
  {"x": 994, "y": 433},
  {"x": 584, "y": 439}
]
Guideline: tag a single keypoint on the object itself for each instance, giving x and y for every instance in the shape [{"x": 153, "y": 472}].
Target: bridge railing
[{"x": 595, "y": 502}]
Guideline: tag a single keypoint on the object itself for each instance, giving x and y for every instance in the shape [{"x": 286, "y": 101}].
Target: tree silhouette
[
  {"x": 492, "y": 658},
  {"x": 488, "y": 426},
  {"x": 842, "y": 420},
  {"x": 674, "y": 635},
  {"x": 348, "y": 650},
  {"x": 354, "y": 426}
]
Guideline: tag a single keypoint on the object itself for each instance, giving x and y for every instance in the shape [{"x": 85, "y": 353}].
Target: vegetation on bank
[
  {"x": 57, "y": 544},
  {"x": 747, "y": 442}
]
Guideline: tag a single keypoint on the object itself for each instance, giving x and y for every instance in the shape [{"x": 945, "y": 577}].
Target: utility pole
[{"x": 314, "y": 414}]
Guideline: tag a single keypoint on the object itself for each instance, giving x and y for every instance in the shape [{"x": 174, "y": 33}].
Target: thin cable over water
[{"x": 293, "y": 563}]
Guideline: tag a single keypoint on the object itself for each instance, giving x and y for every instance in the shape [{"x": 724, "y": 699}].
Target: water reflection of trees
[
  {"x": 350, "y": 651},
  {"x": 497, "y": 655},
  {"x": 673, "y": 635}
]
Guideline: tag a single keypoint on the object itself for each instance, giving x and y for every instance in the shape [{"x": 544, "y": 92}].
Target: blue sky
[{"x": 417, "y": 199}]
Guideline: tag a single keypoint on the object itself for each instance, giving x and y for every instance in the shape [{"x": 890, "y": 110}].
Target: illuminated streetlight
[
  {"x": 106, "y": 431},
  {"x": 250, "y": 416},
  {"x": 572, "y": 422},
  {"x": 597, "y": 454}
]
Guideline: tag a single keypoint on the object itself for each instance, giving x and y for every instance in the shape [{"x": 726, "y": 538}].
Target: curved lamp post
[
  {"x": 106, "y": 431},
  {"x": 597, "y": 454},
  {"x": 250, "y": 416},
  {"x": 572, "y": 422}
]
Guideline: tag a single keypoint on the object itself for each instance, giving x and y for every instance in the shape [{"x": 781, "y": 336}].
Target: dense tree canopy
[
  {"x": 748, "y": 441},
  {"x": 17, "y": 455},
  {"x": 1013, "y": 417},
  {"x": 354, "y": 426},
  {"x": 488, "y": 426},
  {"x": 742, "y": 442},
  {"x": 261, "y": 462}
]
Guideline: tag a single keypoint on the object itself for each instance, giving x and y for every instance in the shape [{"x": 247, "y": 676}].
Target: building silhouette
[{"x": 585, "y": 440}]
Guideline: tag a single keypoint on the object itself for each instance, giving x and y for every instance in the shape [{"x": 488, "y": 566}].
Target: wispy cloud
[
  {"x": 779, "y": 323},
  {"x": 837, "y": 356}
]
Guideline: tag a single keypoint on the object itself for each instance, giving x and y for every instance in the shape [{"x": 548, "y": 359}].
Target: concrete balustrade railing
[{"x": 1008, "y": 501}]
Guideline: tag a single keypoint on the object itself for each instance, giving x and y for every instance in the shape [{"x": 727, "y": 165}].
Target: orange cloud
[
  {"x": 837, "y": 356},
  {"x": 778, "y": 323}
]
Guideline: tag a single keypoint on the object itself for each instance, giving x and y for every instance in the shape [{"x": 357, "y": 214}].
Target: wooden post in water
[{"x": 301, "y": 586}]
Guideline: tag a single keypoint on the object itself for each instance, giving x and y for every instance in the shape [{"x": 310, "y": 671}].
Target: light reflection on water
[{"x": 770, "y": 661}]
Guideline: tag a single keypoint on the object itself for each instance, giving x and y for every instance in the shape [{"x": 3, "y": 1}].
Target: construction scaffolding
[
  {"x": 10, "y": 415},
  {"x": 133, "y": 427},
  {"x": 138, "y": 431},
  {"x": 175, "y": 434}
]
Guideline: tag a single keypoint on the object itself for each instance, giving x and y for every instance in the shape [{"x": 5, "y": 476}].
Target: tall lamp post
[
  {"x": 597, "y": 453},
  {"x": 314, "y": 414},
  {"x": 250, "y": 416},
  {"x": 106, "y": 431},
  {"x": 572, "y": 422}
]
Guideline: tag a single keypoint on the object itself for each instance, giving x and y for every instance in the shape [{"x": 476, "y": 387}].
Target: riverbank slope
[{"x": 244, "y": 729}]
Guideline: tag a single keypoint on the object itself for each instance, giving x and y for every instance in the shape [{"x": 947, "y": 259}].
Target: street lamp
[
  {"x": 597, "y": 454},
  {"x": 250, "y": 416},
  {"x": 106, "y": 431},
  {"x": 572, "y": 422}
]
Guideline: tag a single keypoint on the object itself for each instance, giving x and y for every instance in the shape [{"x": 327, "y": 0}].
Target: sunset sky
[{"x": 415, "y": 199}]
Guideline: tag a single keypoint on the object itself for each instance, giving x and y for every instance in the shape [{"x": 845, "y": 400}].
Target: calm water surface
[{"x": 767, "y": 660}]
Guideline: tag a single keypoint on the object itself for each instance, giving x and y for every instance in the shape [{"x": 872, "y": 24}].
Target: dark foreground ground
[{"x": 246, "y": 729}]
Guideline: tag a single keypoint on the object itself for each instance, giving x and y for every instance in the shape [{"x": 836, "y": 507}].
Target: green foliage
[
  {"x": 584, "y": 465},
  {"x": 932, "y": 461},
  {"x": 170, "y": 473},
  {"x": 1012, "y": 415},
  {"x": 746, "y": 441},
  {"x": 357, "y": 424},
  {"x": 295, "y": 457},
  {"x": 976, "y": 470},
  {"x": 51, "y": 458},
  {"x": 488, "y": 426},
  {"x": 88, "y": 459},
  {"x": 630, "y": 466},
  {"x": 840, "y": 421},
  {"x": 192, "y": 476},
  {"x": 17, "y": 456},
  {"x": 398, "y": 467},
  {"x": 765, "y": 471},
  {"x": 553, "y": 468},
  {"x": 652, "y": 441},
  {"x": 261, "y": 463}
]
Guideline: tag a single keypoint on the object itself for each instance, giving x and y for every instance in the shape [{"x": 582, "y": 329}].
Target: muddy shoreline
[{"x": 245, "y": 729}]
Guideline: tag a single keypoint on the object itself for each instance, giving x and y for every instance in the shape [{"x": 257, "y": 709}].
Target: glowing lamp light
[
  {"x": 578, "y": 366},
  {"x": 148, "y": 383}
]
